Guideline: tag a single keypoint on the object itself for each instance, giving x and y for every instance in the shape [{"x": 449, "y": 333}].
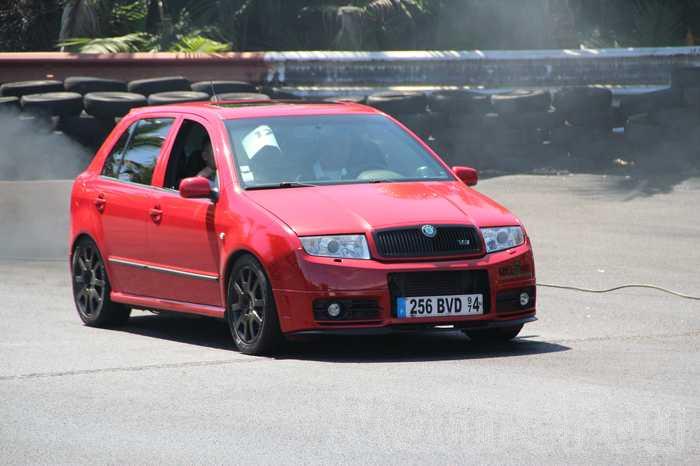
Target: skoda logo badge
[{"x": 429, "y": 231}]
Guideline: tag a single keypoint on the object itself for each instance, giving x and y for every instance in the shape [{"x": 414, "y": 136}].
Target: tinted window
[
  {"x": 330, "y": 149},
  {"x": 189, "y": 155},
  {"x": 141, "y": 155},
  {"x": 114, "y": 160}
]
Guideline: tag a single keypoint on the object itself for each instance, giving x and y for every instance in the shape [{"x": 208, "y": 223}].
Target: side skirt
[{"x": 167, "y": 305}]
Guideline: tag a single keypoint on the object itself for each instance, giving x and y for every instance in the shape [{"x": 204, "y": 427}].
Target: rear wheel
[
  {"x": 91, "y": 288},
  {"x": 494, "y": 335},
  {"x": 251, "y": 312}
]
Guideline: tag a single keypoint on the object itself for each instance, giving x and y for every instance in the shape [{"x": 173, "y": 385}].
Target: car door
[
  {"x": 184, "y": 244},
  {"x": 124, "y": 198}
]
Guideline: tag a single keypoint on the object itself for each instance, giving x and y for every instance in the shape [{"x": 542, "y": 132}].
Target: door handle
[
  {"x": 156, "y": 214},
  {"x": 100, "y": 202}
]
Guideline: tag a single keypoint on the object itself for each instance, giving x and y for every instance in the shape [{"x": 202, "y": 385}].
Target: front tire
[
  {"x": 494, "y": 335},
  {"x": 251, "y": 312},
  {"x": 91, "y": 288}
]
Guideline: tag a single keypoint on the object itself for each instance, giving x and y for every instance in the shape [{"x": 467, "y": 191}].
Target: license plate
[{"x": 440, "y": 306}]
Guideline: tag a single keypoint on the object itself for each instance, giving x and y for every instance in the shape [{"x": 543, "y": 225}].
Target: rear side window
[
  {"x": 134, "y": 156},
  {"x": 111, "y": 166},
  {"x": 139, "y": 159}
]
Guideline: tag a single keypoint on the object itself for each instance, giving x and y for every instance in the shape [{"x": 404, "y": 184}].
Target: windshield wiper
[{"x": 284, "y": 184}]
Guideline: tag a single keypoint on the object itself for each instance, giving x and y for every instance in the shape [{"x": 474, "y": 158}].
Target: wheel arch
[{"x": 228, "y": 268}]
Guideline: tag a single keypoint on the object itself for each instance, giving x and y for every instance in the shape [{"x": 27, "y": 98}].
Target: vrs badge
[{"x": 429, "y": 231}]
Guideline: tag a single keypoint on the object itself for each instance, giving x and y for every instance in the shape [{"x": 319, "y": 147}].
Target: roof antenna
[{"x": 213, "y": 92}]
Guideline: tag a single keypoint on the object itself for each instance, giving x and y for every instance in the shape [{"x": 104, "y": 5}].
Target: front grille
[
  {"x": 411, "y": 242},
  {"x": 407, "y": 284}
]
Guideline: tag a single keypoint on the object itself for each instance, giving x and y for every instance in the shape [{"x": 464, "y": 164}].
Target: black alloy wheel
[
  {"x": 91, "y": 288},
  {"x": 251, "y": 315}
]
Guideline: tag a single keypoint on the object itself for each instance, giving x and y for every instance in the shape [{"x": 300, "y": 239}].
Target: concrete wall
[{"x": 643, "y": 66}]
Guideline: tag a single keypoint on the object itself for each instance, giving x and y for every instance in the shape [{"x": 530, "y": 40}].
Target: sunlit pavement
[{"x": 600, "y": 378}]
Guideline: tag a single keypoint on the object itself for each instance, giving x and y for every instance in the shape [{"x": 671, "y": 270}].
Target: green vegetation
[{"x": 215, "y": 26}]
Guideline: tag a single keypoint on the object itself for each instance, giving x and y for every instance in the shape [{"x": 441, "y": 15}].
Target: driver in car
[
  {"x": 333, "y": 161},
  {"x": 209, "y": 170}
]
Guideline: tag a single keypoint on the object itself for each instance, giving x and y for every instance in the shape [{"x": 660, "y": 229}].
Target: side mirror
[
  {"x": 196, "y": 187},
  {"x": 468, "y": 175}
]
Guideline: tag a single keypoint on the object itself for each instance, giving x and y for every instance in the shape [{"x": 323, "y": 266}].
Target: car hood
[{"x": 361, "y": 208}]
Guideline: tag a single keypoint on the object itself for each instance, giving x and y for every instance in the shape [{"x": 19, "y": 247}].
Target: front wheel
[
  {"x": 91, "y": 288},
  {"x": 251, "y": 313},
  {"x": 493, "y": 335}
]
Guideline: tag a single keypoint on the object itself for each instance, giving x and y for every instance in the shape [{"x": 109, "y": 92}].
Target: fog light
[
  {"x": 524, "y": 299},
  {"x": 334, "y": 310}
]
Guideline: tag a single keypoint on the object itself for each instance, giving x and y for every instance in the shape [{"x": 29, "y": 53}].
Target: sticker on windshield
[{"x": 257, "y": 139}]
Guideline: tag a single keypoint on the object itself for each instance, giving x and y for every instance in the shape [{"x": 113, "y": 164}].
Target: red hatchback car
[{"x": 285, "y": 218}]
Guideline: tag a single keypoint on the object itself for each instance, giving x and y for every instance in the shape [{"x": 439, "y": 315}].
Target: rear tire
[
  {"x": 250, "y": 309},
  {"x": 91, "y": 288},
  {"x": 493, "y": 335}
]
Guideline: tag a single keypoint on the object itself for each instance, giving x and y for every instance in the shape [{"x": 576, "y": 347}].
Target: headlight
[
  {"x": 498, "y": 239},
  {"x": 343, "y": 246}
]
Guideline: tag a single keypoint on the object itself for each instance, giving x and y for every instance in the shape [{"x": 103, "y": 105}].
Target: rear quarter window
[
  {"x": 114, "y": 159},
  {"x": 134, "y": 157}
]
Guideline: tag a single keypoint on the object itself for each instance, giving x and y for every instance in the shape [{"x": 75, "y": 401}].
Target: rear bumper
[{"x": 508, "y": 273}]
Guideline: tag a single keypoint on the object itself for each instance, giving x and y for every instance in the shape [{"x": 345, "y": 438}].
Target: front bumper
[{"x": 508, "y": 272}]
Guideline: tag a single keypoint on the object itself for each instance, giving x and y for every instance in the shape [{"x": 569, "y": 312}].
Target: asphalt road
[{"x": 599, "y": 379}]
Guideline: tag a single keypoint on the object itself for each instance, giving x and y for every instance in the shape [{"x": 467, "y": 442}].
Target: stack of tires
[
  {"x": 586, "y": 139},
  {"x": 526, "y": 122},
  {"x": 462, "y": 121},
  {"x": 662, "y": 126},
  {"x": 87, "y": 108},
  {"x": 410, "y": 108}
]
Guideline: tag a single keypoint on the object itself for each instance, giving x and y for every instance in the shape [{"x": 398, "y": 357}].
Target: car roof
[{"x": 261, "y": 108}]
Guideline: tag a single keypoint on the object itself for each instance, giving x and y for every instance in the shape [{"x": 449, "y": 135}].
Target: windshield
[{"x": 329, "y": 149}]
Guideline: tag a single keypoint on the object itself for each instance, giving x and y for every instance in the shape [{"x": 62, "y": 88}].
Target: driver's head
[{"x": 208, "y": 155}]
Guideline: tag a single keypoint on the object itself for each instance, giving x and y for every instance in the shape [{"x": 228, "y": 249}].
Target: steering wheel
[{"x": 370, "y": 175}]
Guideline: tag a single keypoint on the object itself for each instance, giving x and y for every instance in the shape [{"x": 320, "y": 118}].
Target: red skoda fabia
[{"x": 286, "y": 218}]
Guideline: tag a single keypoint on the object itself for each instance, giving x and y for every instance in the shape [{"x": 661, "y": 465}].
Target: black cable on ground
[{"x": 626, "y": 285}]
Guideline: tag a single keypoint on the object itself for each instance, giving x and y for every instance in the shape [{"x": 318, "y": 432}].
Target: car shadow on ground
[{"x": 403, "y": 347}]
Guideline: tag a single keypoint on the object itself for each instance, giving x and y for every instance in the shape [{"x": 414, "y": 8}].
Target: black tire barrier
[
  {"x": 280, "y": 94},
  {"x": 224, "y": 87},
  {"x": 239, "y": 96},
  {"x": 516, "y": 137},
  {"x": 86, "y": 129},
  {"x": 678, "y": 124},
  {"x": 647, "y": 102},
  {"x": 533, "y": 121},
  {"x": 482, "y": 124},
  {"x": 356, "y": 99},
  {"x": 521, "y": 101},
  {"x": 9, "y": 104},
  {"x": 85, "y": 85},
  {"x": 164, "y": 98},
  {"x": 569, "y": 136},
  {"x": 396, "y": 103},
  {"x": 157, "y": 85},
  {"x": 419, "y": 123},
  {"x": 570, "y": 100},
  {"x": 604, "y": 119},
  {"x": 641, "y": 131},
  {"x": 691, "y": 97},
  {"x": 685, "y": 77},
  {"x": 438, "y": 120},
  {"x": 53, "y": 103},
  {"x": 19, "y": 89},
  {"x": 460, "y": 102},
  {"x": 112, "y": 104}
]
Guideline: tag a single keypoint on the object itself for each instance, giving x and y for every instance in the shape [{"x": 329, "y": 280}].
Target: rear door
[
  {"x": 124, "y": 197},
  {"x": 184, "y": 243}
]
